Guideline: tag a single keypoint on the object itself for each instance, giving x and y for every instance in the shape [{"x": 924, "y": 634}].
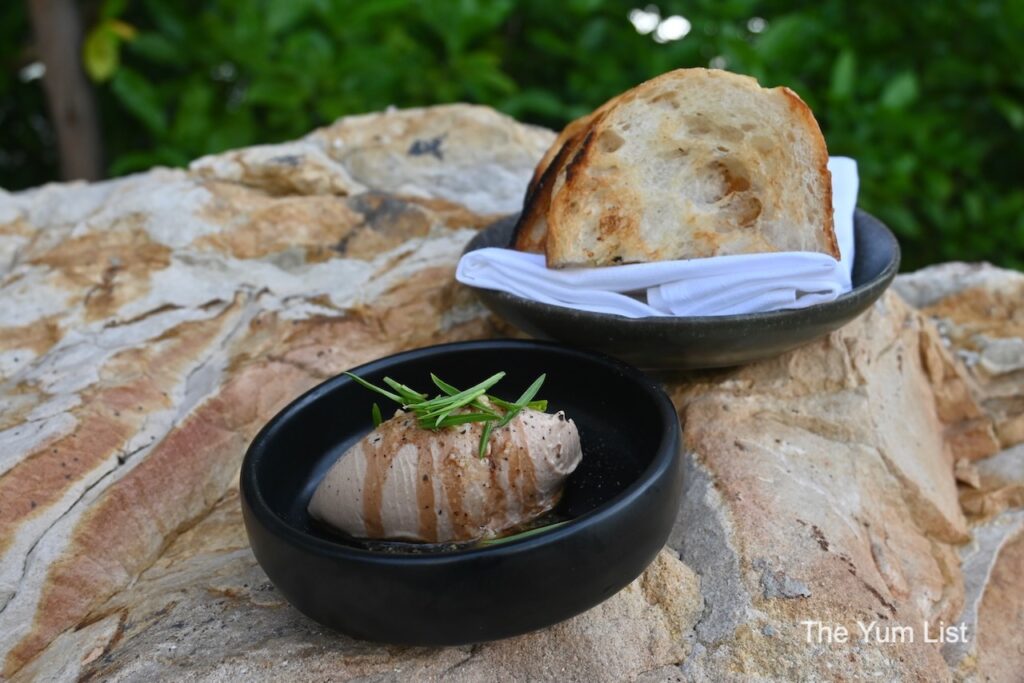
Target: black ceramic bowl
[
  {"x": 622, "y": 501},
  {"x": 677, "y": 343}
]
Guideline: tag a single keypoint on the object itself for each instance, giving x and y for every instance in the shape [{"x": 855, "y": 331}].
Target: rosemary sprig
[
  {"x": 523, "y": 401},
  {"x": 541, "y": 405},
  {"x": 404, "y": 391},
  {"x": 485, "y": 437},
  {"x": 440, "y": 411},
  {"x": 522, "y": 534}
]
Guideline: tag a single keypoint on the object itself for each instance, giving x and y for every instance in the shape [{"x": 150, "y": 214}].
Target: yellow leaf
[
  {"x": 123, "y": 29},
  {"x": 100, "y": 53}
]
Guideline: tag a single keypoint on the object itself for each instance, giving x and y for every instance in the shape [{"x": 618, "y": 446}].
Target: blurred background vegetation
[{"x": 928, "y": 97}]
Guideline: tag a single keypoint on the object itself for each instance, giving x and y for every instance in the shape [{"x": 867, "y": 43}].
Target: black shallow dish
[
  {"x": 667, "y": 343},
  {"x": 622, "y": 499}
]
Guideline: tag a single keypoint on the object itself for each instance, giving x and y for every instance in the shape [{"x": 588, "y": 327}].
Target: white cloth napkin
[{"x": 719, "y": 285}]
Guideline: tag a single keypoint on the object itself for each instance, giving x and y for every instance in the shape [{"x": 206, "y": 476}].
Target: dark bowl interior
[
  {"x": 677, "y": 343},
  {"x": 622, "y": 501}
]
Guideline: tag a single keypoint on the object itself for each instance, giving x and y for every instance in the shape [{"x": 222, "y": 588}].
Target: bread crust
[
  {"x": 571, "y": 130},
  {"x": 801, "y": 110},
  {"x": 530, "y": 232}
]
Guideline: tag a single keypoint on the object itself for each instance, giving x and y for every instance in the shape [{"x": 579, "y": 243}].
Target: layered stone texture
[{"x": 150, "y": 325}]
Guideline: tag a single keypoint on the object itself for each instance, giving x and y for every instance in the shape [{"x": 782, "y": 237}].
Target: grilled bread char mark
[{"x": 530, "y": 231}]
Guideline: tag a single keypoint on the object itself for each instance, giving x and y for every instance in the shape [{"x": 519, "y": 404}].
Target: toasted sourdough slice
[{"x": 693, "y": 163}]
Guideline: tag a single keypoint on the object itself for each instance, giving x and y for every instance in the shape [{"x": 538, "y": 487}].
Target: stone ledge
[{"x": 151, "y": 324}]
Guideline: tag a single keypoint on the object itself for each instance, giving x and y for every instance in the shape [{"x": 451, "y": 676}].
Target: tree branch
[{"x": 58, "y": 33}]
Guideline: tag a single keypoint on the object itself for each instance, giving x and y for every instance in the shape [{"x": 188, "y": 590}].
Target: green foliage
[
  {"x": 928, "y": 97},
  {"x": 101, "y": 51}
]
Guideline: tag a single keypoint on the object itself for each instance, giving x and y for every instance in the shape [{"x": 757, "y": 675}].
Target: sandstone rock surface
[
  {"x": 205, "y": 610},
  {"x": 979, "y": 312},
  {"x": 150, "y": 325}
]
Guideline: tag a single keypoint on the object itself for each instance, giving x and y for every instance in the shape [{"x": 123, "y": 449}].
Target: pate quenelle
[{"x": 459, "y": 467}]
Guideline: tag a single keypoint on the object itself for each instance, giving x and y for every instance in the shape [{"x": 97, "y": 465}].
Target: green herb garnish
[
  {"x": 522, "y": 534},
  {"x": 474, "y": 404}
]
